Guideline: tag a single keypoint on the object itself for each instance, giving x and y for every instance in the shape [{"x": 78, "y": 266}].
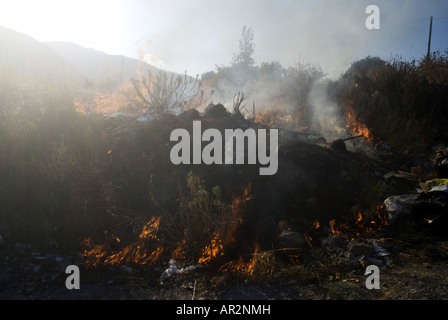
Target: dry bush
[
  {"x": 402, "y": 103},
  {"x": 169, "y": 94},
  {"x": 198, "y": 222}
]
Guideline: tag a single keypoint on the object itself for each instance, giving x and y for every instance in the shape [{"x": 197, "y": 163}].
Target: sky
[{"x": 196, "y": 36}]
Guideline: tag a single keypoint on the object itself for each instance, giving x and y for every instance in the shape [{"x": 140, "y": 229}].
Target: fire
[
  {"x": 87, "y": 101},
  {"x": 239, "y": 201},
  {"x": 150, "y": 229},
  {"x": 240, "y": 266},
  {"x": 226, "y": 235},
  {"x": 377, "y": 223},
  {"x": 270, "y": 118},
  {"x": 213, "y": 250},
  {"x": 236, "y": 215},
  {"x": 179, "y": 252},
  {"x": 359, "y": 219},
  {"x": 308, "y": 239},
  {"x": 332, "y": 224},
  {"x": 136, "y": 252},
  {"x": 362, "y": 224},
  {"x": 252, "y": 262},
  {"x": 355, "y": 126}
]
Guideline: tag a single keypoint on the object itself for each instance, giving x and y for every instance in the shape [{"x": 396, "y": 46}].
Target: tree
[{"x": 245, "y": 58}]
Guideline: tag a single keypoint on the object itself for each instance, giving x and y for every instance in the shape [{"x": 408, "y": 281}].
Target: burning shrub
[
  {"x": 395, "y": 102},
  {"x": 202, "y": 225}
]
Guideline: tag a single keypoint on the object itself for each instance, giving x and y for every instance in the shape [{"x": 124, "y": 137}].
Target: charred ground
[
  {"x": 293, "y": 238},
  {"x": 99, "y": 191}
]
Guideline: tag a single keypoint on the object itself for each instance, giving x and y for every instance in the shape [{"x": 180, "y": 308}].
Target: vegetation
[
  {"x": 402, "y": 103},
  {"x": 66, "y": 175},
  {"x": 166, "y": 94}
]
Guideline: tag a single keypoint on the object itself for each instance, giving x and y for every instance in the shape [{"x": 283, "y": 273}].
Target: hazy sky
[{"x": 197, "y": 35}]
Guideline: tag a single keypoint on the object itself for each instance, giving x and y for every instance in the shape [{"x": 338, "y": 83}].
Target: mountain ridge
[
  {"x": 98, "y": 66},
  {"x": 26, "y": 56}
]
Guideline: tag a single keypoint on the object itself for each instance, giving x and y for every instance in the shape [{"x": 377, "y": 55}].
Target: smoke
[
  {"x": 301, "y": 93},
  {"x": 327, "y": 118},
  {"x": 202, "y": 35},
  {"x": 154, "y": 61}
]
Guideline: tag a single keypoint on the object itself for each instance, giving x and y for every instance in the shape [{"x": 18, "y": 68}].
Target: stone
[
  {"x": 375, "y": 261},
  {"x": 290, "y": 239},
  {"x": 361, "y": 249},
  {"x": 334, "y": 241},
  {"x": 338, "y": 145}
]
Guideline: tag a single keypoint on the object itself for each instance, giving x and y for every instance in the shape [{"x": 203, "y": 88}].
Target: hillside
[
  {"x": 100, "y": 67},
  {"x": 27, "y": 57}
]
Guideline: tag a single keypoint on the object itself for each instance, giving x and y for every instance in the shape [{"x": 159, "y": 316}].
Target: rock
[
  {"x": 388, "y": 244},
  {"x": 338, "y": 145},
  {"x": 290, "y": 239},
  {"x": 361, "y": 249},
  {"x": 36, "y": 269},
  {"x": 348, "y": 263},
  {"x": 334, "y": 241},
  {"x": 375, "y": 261},
  {"x": 380, "y": 252}
]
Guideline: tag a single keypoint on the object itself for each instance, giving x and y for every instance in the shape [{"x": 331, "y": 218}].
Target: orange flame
[
  {"x": 136, "y": 252},
  {"x": 213, "y": 250},
  {"x": 150, "y": 229},
  {"x": 362, "y": 224},
  {"x": 355, "y": 126},
  {"x": 332, "y": 224},
  {"x": 96, "y": 102},
  {"x": 240, "y": 265},
  {"x": 308, "y": 239}
]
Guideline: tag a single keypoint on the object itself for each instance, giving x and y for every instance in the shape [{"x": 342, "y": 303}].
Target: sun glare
[{"x": 93, "y": 24}]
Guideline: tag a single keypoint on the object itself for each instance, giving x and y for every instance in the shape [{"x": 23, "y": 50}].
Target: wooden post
[{"x": 429, "y": 39}]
